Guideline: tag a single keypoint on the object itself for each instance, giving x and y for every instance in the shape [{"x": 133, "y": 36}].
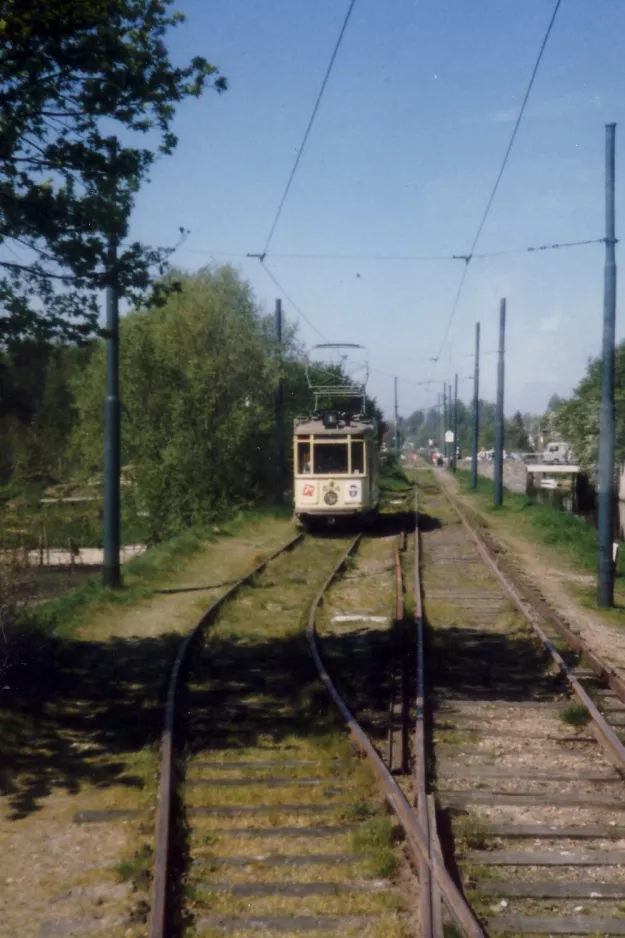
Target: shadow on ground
[
  {"x": 66, "y": 703},
  {"x": 74, "y": 711}
]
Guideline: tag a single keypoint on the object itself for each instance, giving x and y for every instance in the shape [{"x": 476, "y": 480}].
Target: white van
[{"x": 557, "y": 454}]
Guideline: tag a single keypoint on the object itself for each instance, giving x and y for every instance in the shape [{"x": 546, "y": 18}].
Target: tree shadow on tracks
[{"x": 73, "y": 711}]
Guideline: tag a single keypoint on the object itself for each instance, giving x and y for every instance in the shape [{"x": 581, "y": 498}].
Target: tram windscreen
[
  {"x": 330, "y": 458},
  {"x": 303, "y": 458},
  {"x": 358, "y": 457}
]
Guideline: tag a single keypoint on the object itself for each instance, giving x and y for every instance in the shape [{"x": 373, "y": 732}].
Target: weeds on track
[{"x": 575, "y": 715}]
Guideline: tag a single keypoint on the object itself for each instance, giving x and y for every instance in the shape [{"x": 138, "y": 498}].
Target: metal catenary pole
[
  {"x": 605, "y": 506},
  {"x": 498, "y": 467},
  {"x": 450, "y": 420},
  {"x": 396, "y": 425},
  {"x": 280, "y": 467},
  {"x": 476, "y": 408},
  {"x": 111, "y": 575},
  {"x": 445, "y": 421},
  {"x": 455, "y": 422}
]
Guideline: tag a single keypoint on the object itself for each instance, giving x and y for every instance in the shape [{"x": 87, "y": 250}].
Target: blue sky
[{"x": 401, "y": 160}]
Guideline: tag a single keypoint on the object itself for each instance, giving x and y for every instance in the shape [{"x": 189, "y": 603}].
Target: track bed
[{"x": 530, "y": 808}]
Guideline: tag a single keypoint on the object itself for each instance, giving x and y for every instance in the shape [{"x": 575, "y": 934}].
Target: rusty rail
[
  {"x": 162, "y": 848},
  {"x": 417, "y": 836},
  {"x": 427, "y": 921},
  {"x": 604, "y": 732},
  {"x": 398, "y": 675}
]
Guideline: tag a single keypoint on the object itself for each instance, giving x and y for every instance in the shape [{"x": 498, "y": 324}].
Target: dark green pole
[
  {"x": 396, "y": 424},
  {"x": 455, "y": 422},
  {"x": 605, "y": 505},
  {"x": 111, "y": 575},
  {"x": 280, "y": 410},
  {"x": 476, "y": 408},
  {"x": 445, "y": 420},
  {"x": 498, "y": 467}
]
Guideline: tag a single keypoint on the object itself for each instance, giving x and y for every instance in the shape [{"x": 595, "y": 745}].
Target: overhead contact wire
[
  {"x": 309, "y": 127},
  {"x": 504, "y": 163},
  {"x": 292, "y": 302}
]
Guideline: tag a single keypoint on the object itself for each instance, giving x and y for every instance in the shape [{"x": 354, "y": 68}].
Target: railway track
[
  {"x": 268, "y": 824},
  {"x": 525, "y": 755}
]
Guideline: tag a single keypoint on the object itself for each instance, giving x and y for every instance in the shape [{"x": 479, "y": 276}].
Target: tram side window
[
  {"x": 330, "y": 458},
  {"x": 303, "y": 458},
  {"x": 358, "y": 457}
]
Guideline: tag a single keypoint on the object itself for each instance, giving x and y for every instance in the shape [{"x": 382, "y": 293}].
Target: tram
[{"x": 336, "y": 458}]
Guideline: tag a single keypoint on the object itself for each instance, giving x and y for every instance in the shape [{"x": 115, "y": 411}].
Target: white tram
[
  {"x": 336, "y": 458},
  {"x": 336, "y": 463}
]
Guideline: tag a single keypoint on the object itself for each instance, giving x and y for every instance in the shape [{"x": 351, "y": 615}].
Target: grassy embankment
[
  {"x": 142, "y": 577},
  {"x": 572, "y": 542}
]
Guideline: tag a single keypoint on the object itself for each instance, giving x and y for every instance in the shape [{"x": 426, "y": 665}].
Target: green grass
[
  {"x": 472, "y": 834},
  {"x": 375, "y": 837},
  {"x": 142, "y": 576},
  {"x": 393, "y": 478},
  {"x": 575, "y": 715},
  {"x": 137, "y": 870},
  {"x": 574, "y": 538}
]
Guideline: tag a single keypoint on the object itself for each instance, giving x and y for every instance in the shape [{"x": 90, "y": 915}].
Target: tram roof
[{"x": 317, "y": 428}]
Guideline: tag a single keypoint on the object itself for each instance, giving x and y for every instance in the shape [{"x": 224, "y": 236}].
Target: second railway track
[{"x": 528, "y": 779}]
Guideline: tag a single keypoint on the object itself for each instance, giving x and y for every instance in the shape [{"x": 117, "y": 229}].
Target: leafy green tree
[
  {"x": 515, "y": 434},
  {"x": 577, "y": 419},
  {"x": 71, "y": 74}
]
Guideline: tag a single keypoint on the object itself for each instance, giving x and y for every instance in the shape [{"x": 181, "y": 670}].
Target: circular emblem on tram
[{"x": 331, "y": 498}]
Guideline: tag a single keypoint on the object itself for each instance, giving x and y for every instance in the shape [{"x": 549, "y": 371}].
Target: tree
[
  {"x": 71, "y": 74},
  {"x": 516, "y": 435},
  {"x": 577, "y": 420},
  {"x": 198, "y": 380}
]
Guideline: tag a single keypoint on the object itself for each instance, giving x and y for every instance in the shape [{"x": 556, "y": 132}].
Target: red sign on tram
[{"x": 308, "y": 490}]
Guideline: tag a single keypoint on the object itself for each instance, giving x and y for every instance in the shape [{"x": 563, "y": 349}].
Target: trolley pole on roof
[
  {"x": 605, "y": 586},
  {"x": 476, "y": 408},
  {"x": 396, "y": 438},
  {"x": 279, "y": 410},
  {"x": 455, "y": 422},
  {"x": 498, "y": 467},
  {"x": 111, "y": 575}
]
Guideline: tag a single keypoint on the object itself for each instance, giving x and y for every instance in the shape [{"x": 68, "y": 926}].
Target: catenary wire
[
  {"x": 309, "y": 127},
  {"x": 504, "y": 163},
  {"x": 293, "y": 303}
]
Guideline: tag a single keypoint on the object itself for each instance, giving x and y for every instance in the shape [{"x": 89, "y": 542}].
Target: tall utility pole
[
  {"x": 439, "y": 409},
  {"x": 279, "y": 410},
  {"x": 476, "y": 408},
  {"x": 111, "y": 575},
  {"x": 396, "y": 425},
  {"x": 498, "y": 467},
  {"x": 605, "y": 506},
  {"x": 444, "y": 421},
  {"x": 455, "y": 422},
  {"x": 450, "y": 421}
]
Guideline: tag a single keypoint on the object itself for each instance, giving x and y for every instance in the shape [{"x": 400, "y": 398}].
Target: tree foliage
[
  {"x": 425, "y": 425},
  {"x": 71, "y": 74},
  {"x": 577, "y": 419},
  {"x": 198, "y": 384}
]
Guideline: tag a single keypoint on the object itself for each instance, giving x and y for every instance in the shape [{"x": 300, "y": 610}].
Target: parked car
[{"x": 557, "y": 454}]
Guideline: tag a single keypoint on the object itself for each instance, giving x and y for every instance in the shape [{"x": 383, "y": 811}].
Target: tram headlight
[{"x": 330, "y": 498}]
